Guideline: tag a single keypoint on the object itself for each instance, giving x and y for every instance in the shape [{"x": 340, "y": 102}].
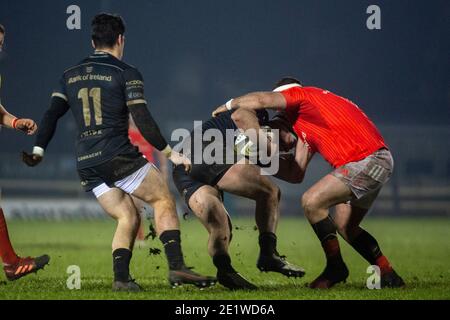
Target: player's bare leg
[
  {"x": 348, "y": 219},
  {"x": 140, "y": 237},
  {"x": 316, "y": 202},
  {"x": 155, "y": 191},
  {"x": 246, "y": 180},
  {"x": 208, "y": 207},
  {"x": 14, "y": 266},
  {"x": 121, "y": 208}
]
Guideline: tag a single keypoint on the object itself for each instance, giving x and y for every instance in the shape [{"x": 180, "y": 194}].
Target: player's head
[
  {"x": 108, "y": 32},
  {"x": 288, "y": 139},
  {"x": 2, "y": 36},
  {"x": 286, "y": 81}
]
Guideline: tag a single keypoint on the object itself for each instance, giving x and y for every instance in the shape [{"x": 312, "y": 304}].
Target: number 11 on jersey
[{"x": 95, "y": 93}]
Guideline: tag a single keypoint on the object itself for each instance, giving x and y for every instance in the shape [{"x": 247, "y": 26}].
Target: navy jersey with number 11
[{"x": 99, "y": 91}]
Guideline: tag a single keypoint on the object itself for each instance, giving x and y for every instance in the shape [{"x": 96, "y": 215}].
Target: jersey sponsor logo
[
  {"x": 135, "y": 95},
  {"x": 90, "y": 156},
  {"x": 89, "y": 77},
  {"x": 134, "y": 83},
  {"x": 91, "y": 133}
]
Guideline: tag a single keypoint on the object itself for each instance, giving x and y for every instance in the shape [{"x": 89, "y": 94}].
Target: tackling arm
[{"x": 254, "y": 101}]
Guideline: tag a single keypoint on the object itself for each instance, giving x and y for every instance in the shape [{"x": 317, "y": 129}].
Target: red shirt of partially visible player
[
  {"x": 138, "y": 140},
  {"x": 333, "y": 126}
]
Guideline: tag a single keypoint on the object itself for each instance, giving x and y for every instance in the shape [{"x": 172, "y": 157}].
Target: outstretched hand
[
  {"x": 26, "y": 125},
  {"x": 31, "y": 160},
  {"x": 218, "y": 110}
]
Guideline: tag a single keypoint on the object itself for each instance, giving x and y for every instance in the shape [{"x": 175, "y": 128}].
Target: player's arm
[
  {"x": 134, "y": 93},
  {"x": 58, "y": 107},
  {"x": 246, "y": 119},
  {"x": 293, "y": 166},
  {"x": 8, "y": 120},
  {"x": 254, "y": 101}
]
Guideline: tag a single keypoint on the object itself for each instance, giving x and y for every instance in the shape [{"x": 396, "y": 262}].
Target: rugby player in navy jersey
[
  {"x": 203, "y": 190},
  {"x": 101, "y": 91}
]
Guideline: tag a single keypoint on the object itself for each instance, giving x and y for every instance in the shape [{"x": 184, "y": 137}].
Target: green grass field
[{"x": 419, "y": 250}]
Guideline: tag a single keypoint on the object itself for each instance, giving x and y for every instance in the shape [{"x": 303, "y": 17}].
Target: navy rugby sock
[
  {"x": 121, "y": 264},
  {"x": 172, "y": 247},
  {"x": 267, "y": 243}
]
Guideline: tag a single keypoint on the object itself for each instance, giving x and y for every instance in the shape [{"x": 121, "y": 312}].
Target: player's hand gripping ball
[{"x": 245, "y": 147}]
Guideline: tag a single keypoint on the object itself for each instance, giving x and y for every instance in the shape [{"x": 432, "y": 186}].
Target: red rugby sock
[
  {"x": 6, "y": 250},
  {"x": 383, "y": 263}
]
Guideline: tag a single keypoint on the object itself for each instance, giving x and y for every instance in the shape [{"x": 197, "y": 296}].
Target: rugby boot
[
  {"x": 391, "y": 280},
  {"x": 25, "y": 266},
  {"x": 234, "y": 281},
  {"x": 185, "y": 275},
  {"x": 277, "y": 263},
  {"x": 331, "y": 276},
  {"x": 126, "y": 286}
]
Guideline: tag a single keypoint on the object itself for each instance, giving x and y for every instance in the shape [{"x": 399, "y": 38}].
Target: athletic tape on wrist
[
  {"x": 228, "y": 104},
  {"x": 38, "y": 151}
]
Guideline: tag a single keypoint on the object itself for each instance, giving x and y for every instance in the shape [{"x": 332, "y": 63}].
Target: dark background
[{"x": 195, "y": 55}]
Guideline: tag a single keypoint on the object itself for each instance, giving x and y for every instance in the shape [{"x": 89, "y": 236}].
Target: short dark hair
[
  {"x": 106, "y": 29},
  {"x": 2, "y": 29},
  {"x": 281, "y": 121},
  {"x": 286, "y": 80}
]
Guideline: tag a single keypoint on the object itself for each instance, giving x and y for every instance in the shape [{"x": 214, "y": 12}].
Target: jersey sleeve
[
  {"x": 294, "y": 97},
  {"x": 60, "y": 89},
  {"x": 134, "y": 87}
]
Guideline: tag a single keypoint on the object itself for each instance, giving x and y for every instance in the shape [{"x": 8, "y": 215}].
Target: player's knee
[
  {"x": 211, "y": 207},
  {"x": 342, "y": 229},
  {"x": 310, "y": 203},
  {"x": 163, "y": 202},
  {"x": 130, "y": 218},
  {"x": 270, "y": 192}
]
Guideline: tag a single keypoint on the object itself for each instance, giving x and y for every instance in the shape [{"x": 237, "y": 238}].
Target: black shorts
[
  {"x": 200, "y": 175},
  {"x": 111, "y": 171},
  {"x": 187, "y": 186}
]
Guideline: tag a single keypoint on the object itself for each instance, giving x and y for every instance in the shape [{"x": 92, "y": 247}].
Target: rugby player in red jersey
[
  {"x": 14, "y": 266},
  {"x": 345, "y": 137}
]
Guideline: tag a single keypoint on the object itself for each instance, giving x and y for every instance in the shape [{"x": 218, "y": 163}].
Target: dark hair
[
  {"x": 2, "y": 29},
  {"x": 286, "y": 80},
  {"x": 106, "y": 29},
  {"x": 281, "y": 121}
]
